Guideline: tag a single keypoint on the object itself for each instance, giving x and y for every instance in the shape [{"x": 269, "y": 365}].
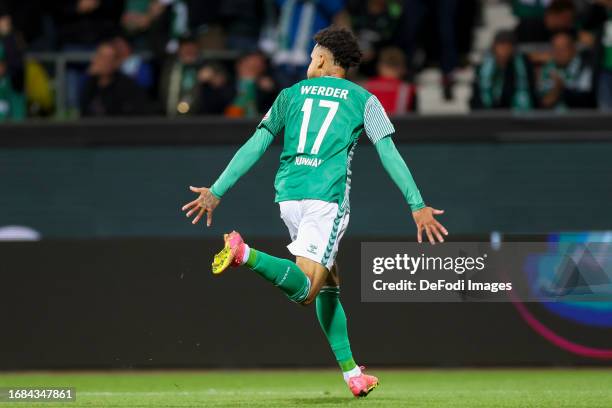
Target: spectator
[
  {"x": 242, "y": 22},
  {"x": 414, "y": 13},
  {"x": 529, "y": 8},
  {"x": 34, "y": 20},
  {"x": 107, "y": 91},
  {"x": 216, "y": 89},
  {"x": 22, "y": 22},
  {"x": 567, "y": 80},
  {"x": 469, "y": 17},
  {"x": 178, "y": 12},
  {"x": 38, "y": 90},
  {"x": 82, "y": 24},
  {"x": 203, "y": 15},
  {"x": 560, "y": 15},
  {"x": 132, "y": 65},
  {"x": 12, "y": 52},
  {"x": 600, "y": 21},
  {"x": 179, "y": 81},
  {"x": 299, "y": 21},
  {"x": 505, "y": 78},
  {"x": 255, "y": 91},
  {"x": 12, "y": 102},
  {"x": 146, "y": 24},
  {"x": 138, "y": 15},
  {"x": 395, "y": 95},
  {"x": 375, "y": 23}
]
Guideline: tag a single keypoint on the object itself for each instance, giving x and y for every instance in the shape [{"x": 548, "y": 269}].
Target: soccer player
[{"x": 323, "y": 117}]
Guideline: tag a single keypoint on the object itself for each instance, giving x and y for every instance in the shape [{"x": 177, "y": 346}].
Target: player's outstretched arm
[
  {"x": 423, "y": 216},
  {"x": 240, "y": 164}
]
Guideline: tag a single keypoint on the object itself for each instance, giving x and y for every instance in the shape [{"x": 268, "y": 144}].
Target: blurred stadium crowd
[{"x": 84, "y": 58}]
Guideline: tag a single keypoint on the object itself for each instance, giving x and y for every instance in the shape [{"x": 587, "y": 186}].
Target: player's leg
[
  {"x": 332, "y": 316},
  {"x": 332, "y": 319},
  {"x": 300, "y": 280},
  {"x": 283, "y": 273},
  {"x": 311, "y": 226},
  {"x": 316, "y": 273}
]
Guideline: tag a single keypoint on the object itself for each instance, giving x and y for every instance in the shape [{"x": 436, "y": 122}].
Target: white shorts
[{"x": 316, "y": 228}]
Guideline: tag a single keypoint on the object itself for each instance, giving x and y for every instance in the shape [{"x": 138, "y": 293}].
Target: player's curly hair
[{"x": 342, "y": 44}]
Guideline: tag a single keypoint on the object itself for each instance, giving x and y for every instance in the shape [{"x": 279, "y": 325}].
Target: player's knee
[
  {"x": 312, "y": 295},
  {"x": 307, "y": 302}
]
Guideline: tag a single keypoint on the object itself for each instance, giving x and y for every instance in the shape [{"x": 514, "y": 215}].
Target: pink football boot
[
  {"x": 362, "y": 384},
  {"x": 231, "y": 254}
]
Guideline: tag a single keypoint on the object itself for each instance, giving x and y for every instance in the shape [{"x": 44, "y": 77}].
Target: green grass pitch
[{"x": 325, "y": 388}]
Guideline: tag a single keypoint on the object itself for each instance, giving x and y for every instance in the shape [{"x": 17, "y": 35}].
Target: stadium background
[
  {"x": 110, "y": 109},
  {"x": 121, "y": 280}
]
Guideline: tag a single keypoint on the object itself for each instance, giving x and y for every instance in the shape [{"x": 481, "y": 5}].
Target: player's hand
[
  {"x": 205, "y": 203},
  {"x": 425, "y": 221}
]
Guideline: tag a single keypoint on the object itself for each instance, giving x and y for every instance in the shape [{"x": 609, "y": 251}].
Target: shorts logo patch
[{"x": 312, "y": 248}]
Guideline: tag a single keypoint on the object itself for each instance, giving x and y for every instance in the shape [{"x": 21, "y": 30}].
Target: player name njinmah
[{"x": 441, "y": 285}]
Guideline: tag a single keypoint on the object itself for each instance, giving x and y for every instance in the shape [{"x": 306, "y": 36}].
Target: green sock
[
  {"x": 282, "y": 273},
  {"x": 333, "y": 322}
]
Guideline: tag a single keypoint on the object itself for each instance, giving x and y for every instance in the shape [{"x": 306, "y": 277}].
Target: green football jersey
[{"x": 323, "y": 119}]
